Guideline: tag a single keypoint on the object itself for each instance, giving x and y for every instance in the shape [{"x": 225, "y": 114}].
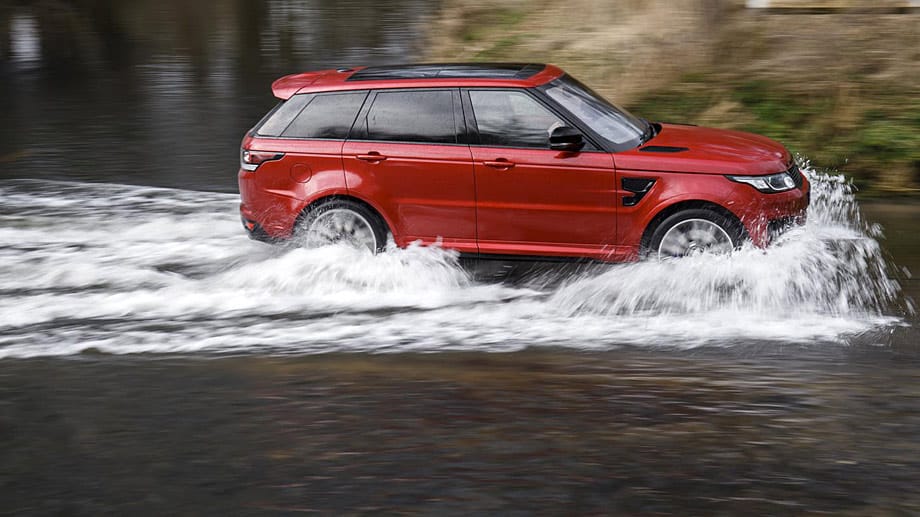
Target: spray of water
[
  {"x": 124, "y": 269},
  {"x": 833, "y": 266}
]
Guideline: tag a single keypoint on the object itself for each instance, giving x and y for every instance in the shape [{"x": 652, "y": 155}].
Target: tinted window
[
  {"x": 327, "y": 116},
  {"x": 419, "y": 116},
  {"x": 281, "y": 118},
  {"x": 512, "y": 119}
]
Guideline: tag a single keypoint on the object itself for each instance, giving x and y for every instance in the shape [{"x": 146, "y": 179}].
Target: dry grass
[{"x": 621, "y": 47}]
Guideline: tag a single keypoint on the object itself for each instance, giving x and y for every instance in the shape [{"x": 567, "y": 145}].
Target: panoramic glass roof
[{"x": 449, "y": 71}]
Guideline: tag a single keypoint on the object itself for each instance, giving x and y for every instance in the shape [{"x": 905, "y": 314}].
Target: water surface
[
  {"x": 160, "y": 93},
  {"x": 154, "y": 360}
]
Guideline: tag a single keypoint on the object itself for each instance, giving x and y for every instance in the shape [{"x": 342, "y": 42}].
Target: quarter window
[
  {"x": 512, "y": 119},
  {"x": 327, "y": 116},
  {"x": 283, "y": 115},
  {"x": 413, "y": 116}
]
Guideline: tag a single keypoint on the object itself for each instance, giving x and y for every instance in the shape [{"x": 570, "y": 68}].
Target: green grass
[{"x": 484, "y": 25}]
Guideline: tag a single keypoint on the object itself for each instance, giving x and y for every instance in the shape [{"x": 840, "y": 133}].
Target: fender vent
[
  {"x": 663, "y": 149},
  {"x": 639, "y": 188}
]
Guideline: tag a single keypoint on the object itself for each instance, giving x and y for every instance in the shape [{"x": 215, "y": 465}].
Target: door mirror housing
[{"x": 565, "y": 138}]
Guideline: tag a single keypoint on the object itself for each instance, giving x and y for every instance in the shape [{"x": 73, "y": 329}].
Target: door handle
[
  {"x": 373, "y": 157},
  {"x": 499, "y": 163}
]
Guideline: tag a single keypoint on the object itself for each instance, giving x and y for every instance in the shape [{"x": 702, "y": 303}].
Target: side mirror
[{"x": 565, "y": 138}]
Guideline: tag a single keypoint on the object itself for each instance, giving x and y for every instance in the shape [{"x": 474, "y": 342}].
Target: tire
[
  {"x": 693, "y": 231},
  {"x": 342, "y": 221}
]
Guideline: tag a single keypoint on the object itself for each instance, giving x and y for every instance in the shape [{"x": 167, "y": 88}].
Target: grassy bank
[{"x": 840, "y": 88}]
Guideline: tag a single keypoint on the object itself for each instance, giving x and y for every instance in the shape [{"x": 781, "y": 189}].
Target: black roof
[{"x": 449, "y": 71}]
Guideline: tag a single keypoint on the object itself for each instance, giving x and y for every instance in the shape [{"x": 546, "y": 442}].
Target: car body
[{"x": 511, "y": 160}]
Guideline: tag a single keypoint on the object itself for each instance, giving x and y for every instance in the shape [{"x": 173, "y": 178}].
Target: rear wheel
[
  {"x": 693, "y": 232},
  {"x": 342, "y": 221}
]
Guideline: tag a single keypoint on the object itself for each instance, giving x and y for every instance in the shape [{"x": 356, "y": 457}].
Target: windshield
[{"x": 612, "y": 123}]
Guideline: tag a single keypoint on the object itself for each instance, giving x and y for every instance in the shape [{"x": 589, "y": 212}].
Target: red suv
[{"x": 503, "y": 159}]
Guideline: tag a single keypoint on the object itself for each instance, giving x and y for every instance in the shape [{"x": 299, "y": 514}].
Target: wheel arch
[
  {"x": 343, "y": 197},
  {"x": 680, "y": 206}
]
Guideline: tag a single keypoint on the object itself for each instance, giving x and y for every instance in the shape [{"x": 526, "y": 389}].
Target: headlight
[{"x": 773, "y": 183}]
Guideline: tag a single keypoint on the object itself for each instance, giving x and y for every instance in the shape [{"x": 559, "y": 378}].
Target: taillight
[{"x": 250, "y": 160}]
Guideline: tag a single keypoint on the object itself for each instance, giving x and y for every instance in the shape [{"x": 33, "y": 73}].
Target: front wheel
[
  {"x": 693, "y": 232},
  {"x": 342, "y": 221}
]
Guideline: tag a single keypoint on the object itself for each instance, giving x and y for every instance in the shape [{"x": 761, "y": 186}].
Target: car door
[
  {"x": 532, "y": 200},
  {"x": 404, "y": 155}
]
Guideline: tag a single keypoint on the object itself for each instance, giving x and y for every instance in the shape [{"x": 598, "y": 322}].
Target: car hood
[{"x": 678, "y": 148}]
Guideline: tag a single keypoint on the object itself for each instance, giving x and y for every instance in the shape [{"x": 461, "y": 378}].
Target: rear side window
[
  {"x": 413, "y": 116},
  {"x": 327, "y": 116}
]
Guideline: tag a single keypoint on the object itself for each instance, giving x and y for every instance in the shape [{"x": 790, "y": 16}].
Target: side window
[
  {"x": 413, "y": 116},
  {"x": 281, "y": 117},
  {"x": 327, "y": 116},
  {"x": 512, "y": 119}
]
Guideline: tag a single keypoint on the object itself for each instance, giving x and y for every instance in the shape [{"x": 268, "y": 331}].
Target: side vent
[
  {"x": 639, "y": 187},
  {"x": 662, "y": 149}
]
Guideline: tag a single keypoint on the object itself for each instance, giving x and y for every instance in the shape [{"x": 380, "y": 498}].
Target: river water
[{"x": 154, "y": 360}]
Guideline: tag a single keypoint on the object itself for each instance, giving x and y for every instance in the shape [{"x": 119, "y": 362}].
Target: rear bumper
[
  {"x": 268, "y": 214},
  {"x": 255, "y": 230}
]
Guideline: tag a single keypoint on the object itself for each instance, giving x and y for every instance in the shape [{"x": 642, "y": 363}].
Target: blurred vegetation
[
  {"x": 840, "y": 88},
  {"x": 879, "y": 146}
]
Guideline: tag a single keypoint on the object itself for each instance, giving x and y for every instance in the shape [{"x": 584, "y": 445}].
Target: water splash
[
  {"x": 142, "y": 270},
  {"x": 833, "y": 265}
]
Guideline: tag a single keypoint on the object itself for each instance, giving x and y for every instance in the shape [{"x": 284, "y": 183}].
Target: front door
[{"x": 532, "y": 200}]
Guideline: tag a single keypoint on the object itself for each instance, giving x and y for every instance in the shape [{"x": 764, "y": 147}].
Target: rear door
[
  {"x": 532, "y": 200},
  {"x": 405, "y": 156}
]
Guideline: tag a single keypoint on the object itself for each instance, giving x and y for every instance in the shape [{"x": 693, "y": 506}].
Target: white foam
[{"x": 140, "y": 270}]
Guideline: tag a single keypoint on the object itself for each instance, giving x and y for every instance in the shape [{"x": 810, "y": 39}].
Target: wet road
[{"x": 156, "y": 360}]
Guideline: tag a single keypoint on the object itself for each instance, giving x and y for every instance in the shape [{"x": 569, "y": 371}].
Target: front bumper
[{"x": 775, "y": 214}]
